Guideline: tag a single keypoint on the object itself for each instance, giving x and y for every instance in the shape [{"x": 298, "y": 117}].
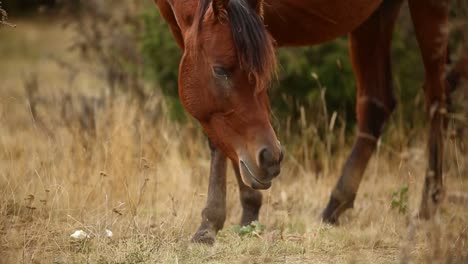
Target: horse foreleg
[
  {"x": 370, "y": 56},
  {"x": 251, "y": 200},
  {"x": 430, "y": 20},
  {"x": 214, "y": 213}
]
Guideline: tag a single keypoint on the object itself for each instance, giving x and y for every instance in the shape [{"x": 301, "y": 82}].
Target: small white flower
[
  {"x": 109, "y": 233},
  {"x": 79, "y": 234}
]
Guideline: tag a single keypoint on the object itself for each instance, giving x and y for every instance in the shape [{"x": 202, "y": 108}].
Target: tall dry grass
[{"x": 72, "y": 157}]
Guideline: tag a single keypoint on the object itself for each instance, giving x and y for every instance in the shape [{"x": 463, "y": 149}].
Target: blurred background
[{"x": 92, "y": 132}]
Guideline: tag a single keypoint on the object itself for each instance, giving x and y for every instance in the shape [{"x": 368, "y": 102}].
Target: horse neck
[{"x": 309, "y": 22}]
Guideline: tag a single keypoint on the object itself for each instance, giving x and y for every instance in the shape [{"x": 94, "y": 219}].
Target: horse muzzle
[{"x": 260, "y": 174}]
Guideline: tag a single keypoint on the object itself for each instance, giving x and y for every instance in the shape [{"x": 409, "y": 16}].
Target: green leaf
[{"x": 249, "y": 230}]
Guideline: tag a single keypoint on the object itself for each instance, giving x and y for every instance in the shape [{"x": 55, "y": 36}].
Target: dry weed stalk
[
  {"x": 31, "y": 87},
  {"x": 4, "y": 17}
]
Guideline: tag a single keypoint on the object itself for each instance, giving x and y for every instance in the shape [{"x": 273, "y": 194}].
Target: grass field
[{"x": 145, "y": 178}]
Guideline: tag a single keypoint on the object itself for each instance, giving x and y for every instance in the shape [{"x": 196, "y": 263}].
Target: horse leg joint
[
  {"x": 372, "y": 115},
  {"x": 433, "y": 195},
  {"x": 213, "y": 219}
]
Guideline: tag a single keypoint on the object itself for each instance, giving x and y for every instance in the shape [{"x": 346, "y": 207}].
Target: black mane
[{"x": 253, "y": 44}]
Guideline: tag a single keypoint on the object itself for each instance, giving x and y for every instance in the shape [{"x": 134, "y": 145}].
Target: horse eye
[{"x": 220, "y": 72}]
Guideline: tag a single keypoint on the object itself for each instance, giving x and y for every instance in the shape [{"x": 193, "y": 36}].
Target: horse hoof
[
  {"x": 335, "y": 208},
  {"x": 206, "y": 237},
  {"x": 427, "y": 209},
  {"x": 424, "y": 213},
  {"x": 331, "y": 213},
  {"x": 329, "y": 219}
]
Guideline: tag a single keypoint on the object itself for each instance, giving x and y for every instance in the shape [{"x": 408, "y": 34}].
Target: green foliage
[
  {"x": 297, "y": 88},
  {"x": 253, "y": 229},
  {"x": 161, "y": 58},
  {"x": 400, "y": 200}
]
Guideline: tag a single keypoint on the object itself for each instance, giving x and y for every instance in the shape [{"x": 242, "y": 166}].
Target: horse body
[
  {"x": 305, "y": 23},
  {"x": 228, "y": 61},
  {"x": 290, "y": 22}
]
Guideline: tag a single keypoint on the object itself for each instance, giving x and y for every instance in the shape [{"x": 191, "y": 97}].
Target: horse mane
[{"x": 254, "y": 46}]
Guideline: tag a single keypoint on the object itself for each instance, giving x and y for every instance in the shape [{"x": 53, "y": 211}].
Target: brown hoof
[
  {"x": 424, "y": 212},
  {"x": 207, "y": 237},
  {"x": 334, "y": 209},
  {"x": 329, "y": 217},
  {"x": 430, "y": 203}
]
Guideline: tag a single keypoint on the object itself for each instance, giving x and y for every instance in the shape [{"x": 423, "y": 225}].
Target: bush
[
  {"x": 305, "y": 72},
  {"x": 161, "y": 57}
]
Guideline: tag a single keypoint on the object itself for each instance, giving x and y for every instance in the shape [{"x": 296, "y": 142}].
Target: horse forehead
[
  {"x": 219, "y": 45},
  {"x": 185, "y": 4},
  {"x": 218, "y": 32}
]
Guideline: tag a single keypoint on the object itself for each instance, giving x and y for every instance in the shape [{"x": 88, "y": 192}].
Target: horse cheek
[
  {"x": 222, "y": 135},
  {"x": 191, "y": 102}
]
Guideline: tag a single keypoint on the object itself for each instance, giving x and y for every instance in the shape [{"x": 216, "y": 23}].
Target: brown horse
[{"x": 227, "y": 64}]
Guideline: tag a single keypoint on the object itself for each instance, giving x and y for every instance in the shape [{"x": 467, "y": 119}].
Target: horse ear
[
  {"x": 220, "y": 8},
  {"x": 258, "y": 5}
]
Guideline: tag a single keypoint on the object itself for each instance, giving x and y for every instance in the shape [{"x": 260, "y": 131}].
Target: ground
[{"x": 146, "y": 181}]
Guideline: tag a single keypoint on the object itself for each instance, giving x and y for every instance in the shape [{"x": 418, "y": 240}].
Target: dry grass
[{"x": 146, "y": 181}]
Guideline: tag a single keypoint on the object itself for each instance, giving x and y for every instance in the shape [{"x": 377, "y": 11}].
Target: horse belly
[{"x": 309, "y": 22}]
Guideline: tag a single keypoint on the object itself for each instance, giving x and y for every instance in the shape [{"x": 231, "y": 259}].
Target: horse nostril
[{"x": 267, "y": 158}]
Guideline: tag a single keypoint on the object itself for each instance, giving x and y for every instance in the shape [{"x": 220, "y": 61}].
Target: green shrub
[
  {"x": 161, "y": 59},
  {"x": 400, "y": 200}
]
